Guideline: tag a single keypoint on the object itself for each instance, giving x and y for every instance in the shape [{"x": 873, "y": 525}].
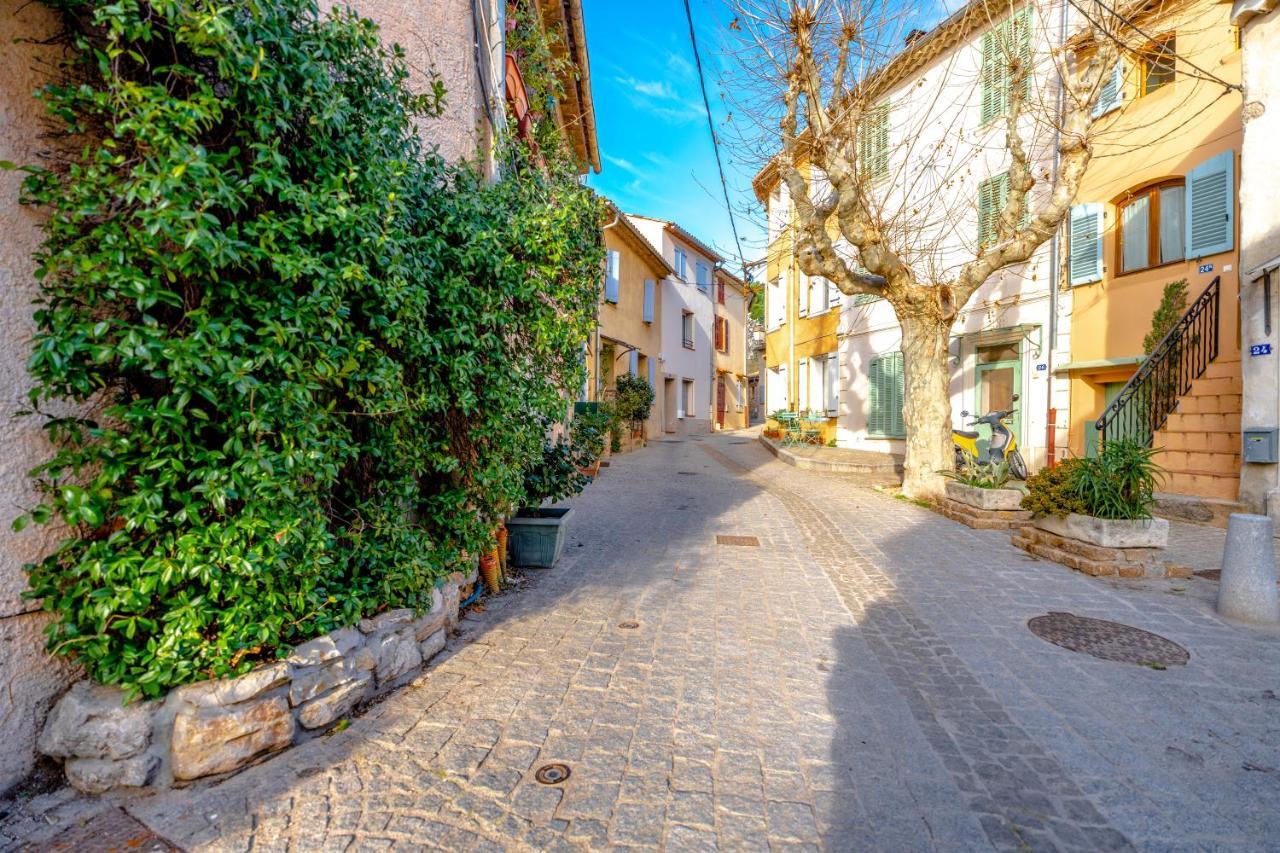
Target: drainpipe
[{"x": 1054, "y": 271}]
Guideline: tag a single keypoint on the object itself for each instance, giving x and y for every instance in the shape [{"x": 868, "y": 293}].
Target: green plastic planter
[{"x": 536, "y": 541}]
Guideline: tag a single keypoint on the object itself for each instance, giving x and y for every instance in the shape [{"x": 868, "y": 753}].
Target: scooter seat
[{"x": 964, "y": 434}]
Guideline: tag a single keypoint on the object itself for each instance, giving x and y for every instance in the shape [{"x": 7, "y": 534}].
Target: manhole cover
[
  {"x": 112, "y": 829},
  {"x": 744, "y": 541},
  {"x": 552, "y": 774},
  {"x": 1108, "y": 640},
  {"x": 629, "y": 626}
]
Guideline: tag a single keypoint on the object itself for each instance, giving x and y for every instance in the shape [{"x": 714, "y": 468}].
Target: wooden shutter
[
  {"x": 652, "y": 378},
  {"x": 992, "y": 76},
  {"x": 986, "y": 212},
  {"x": 886, "y": 396},
  {"x": 833, "y": 385},
  {"x": 1210, "y": 200},
  {"x": 803, "y": 379},
  {"x": 720, "y": 292},
  {"x": 802, "y": 285},
  {"x": 634, "y": 367},
  {"x": 1112, "y": 91},
  {"x": 873, "y": 142},
  {"x": 650, "y": 291},
  {"x": 611, "y": 277},
  {"x": 1086, "y": 243}
]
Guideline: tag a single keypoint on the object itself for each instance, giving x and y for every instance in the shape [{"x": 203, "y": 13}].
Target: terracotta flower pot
[
  {"x": 489, "y": 570},
  {"x": 501, "y": 536}
]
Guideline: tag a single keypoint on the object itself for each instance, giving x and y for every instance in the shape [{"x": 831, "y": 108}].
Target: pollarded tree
[{"x": 885, "y": 191}]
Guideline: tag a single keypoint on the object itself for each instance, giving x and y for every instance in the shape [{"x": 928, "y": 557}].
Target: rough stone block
[
  {"x": 311, "y": 682},
  {"x": 433, "y": 645},
  {"x": 335, "y": 704},
  {"x": 231, "y": 691},
  {"x": 98, "y": 775},
  {"x": 1109, "y": 533},
  {"x": 385, "y": 620},
  {"x": 207, "y": 741},
  {"x": 397, "y": 654},
  {"x": 985, "y": 499},
  {"x": 92, "y": 721},
  {"x": 1177, "y": 570},
  {"x": 335, "y": 644}
]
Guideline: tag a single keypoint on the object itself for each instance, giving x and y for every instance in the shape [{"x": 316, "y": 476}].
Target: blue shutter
[
  {"x": 1086, "y": 243},
  {"x": 651, "y": 371},
  {"x": 1112, "y": 92},
  {"x": 649, "y": 290},
  {"x": 611, "y": 278},
  {"x": 635, "y": 363},
  {"x": 1210, "y": 216}
]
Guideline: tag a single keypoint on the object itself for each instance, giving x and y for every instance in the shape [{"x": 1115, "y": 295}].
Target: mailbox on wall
[{"x": 1262, "y": 444}]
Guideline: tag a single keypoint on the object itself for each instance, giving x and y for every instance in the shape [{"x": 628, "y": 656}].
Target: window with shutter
[
  {"x": 652, "y": 382},
  {"x": 833, "y": 294},
  {"x": 818, "y": 295},
  {"x": 725, "y": 335},
  {"x": 681, "y": 264},
  {"x": 1086, "y": 243},
  {"x": 833, "y": 385},
  {"x": 650, "y": 292},
  {"x": 802, "y": 288},
  {"x": 634, "y": 367},
  {"x": 818, "y": 384},
  {"x": 865, "y": 298},
  {"x": 611, "y": 277},
  {"x": 873, "y": 143},
  {"x": 1001, "y": 46},
  {"x": 885, "y": 377},
  {"x": 720, "y": 292},
  {"x": 1210, "y": 199},
  {"x": 993, "y": 193},
  {"x": 702, "y": 275}
]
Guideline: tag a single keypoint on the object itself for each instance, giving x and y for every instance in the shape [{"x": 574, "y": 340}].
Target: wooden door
[{"x": 720, "y": 392}]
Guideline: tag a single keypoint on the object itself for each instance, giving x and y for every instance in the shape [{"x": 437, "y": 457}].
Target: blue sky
[{"x": 655, "y": 148}]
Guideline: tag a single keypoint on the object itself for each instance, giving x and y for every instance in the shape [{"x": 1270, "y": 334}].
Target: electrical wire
[{"x": 715, "y": 142}]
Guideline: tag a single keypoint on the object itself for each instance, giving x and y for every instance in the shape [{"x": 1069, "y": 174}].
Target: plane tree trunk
[{"x": 926, "y": 409}]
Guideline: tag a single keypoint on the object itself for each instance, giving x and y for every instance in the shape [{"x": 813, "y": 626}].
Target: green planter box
[{"x": 536, "y": 541}]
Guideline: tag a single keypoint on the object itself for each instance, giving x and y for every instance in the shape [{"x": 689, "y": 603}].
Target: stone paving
[{"x": 862, "y": 680}]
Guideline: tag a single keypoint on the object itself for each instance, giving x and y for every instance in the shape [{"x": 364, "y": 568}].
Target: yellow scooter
[{"x": 1002, "y": 446}]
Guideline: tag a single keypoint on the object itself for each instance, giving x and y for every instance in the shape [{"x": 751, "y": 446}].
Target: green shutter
[
  {"x": 884, "y": 418},
  {"x": 1085, "y": 257},
  {"x": 1010, "y": 38},
  {"x": 865, "y": 299},
  {"x": 873, "y": 142},
  {"x": 992, "y": 91}
]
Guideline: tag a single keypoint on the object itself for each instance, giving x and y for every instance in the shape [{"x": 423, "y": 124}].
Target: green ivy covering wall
[{"x": 317, "y": 360}]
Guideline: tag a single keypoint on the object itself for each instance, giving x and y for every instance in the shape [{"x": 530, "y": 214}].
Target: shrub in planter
[
  {"x": 981, "y": 475},
  {"x": 1052, "y": 491},
  {"x": 983, "y": 485},
  {"x": 537, "y": 533}
]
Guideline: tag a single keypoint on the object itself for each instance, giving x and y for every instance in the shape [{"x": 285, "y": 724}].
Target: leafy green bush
[
  {"x": 1120, "y": 482},
  {"x": 587, "y": 433},
  {"x": 555, "y": 476},
  {"x": 314, "y": 362},
  {"x": 981, "y": 475},
  {"x": 634, "y": 400},
  {"x": 1052, "y": 491}
]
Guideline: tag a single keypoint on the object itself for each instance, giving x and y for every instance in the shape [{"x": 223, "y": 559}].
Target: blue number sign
[{"x": 1260, "y": 349}]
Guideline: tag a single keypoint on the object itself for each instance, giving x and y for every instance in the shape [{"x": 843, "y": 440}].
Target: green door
[{"x": 998, "y": 381}]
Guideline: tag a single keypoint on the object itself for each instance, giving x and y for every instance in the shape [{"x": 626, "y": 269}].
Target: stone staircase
[{"x": 1201, "y": 438}]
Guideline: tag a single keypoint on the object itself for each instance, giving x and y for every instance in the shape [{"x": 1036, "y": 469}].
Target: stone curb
[
  {"x": 214, "y": 728},
  {"x": 890, "y": 468}
]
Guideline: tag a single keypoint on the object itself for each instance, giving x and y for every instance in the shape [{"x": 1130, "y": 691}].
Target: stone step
[
  {"x": 1222, "y": 368},
  {"x": 1197, "y": 442},
  {"x": 1179, "y": 422},
  {"x": 1201, "y": 484},
  {"x": 1200, "y": 462},
  {"x": 1208, "y": 404}
]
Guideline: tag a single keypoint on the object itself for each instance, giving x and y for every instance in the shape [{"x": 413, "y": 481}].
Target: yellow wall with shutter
[{"x": 1153, "y": 137}]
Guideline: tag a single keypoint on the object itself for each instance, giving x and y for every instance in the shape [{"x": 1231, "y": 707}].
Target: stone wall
[
  {"x": 32, "y": 679},
  {"x": 213, "y": 728}
]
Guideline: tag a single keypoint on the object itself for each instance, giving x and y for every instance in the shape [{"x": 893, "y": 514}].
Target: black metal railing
[{"x": 1145, "y": 402}]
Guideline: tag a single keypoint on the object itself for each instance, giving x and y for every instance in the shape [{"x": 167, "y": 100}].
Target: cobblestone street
[{"x": 863, "y": 679}]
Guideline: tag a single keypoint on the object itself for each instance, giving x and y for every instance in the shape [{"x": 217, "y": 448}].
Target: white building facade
[
  {"x": 943, "y": 207},
  {"x": 684, "y": 368}
]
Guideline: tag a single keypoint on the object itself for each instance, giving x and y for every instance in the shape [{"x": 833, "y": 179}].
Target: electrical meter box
[{"x": 1262, "y": 444}]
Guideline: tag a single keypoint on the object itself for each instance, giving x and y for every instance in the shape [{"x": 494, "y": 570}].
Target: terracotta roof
[
  {"x": 632, "y": 235},
  {"x": 684, "y": 235},
  {"x": 575, "y": 113}
]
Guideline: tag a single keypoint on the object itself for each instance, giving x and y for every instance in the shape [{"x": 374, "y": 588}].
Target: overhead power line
[{"x": 715, "y": 141}]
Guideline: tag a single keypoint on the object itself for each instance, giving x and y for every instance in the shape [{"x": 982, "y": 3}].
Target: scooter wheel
[{"x": 1017, "y": 467}]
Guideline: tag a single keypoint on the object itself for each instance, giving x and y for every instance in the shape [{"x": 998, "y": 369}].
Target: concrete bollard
[{"x": 1247, "y": 590}]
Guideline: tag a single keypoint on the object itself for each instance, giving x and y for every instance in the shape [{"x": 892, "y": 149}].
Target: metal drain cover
[
  {"x": 1108, "y": 640},
  {"x": 552, "y": 774},
  {"x": 744, "y": 541}
]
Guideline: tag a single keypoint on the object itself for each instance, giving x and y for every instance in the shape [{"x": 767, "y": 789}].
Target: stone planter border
[
  {"x": 983, "y": 509},
  {"x": 1102, "y": 547},
  {"x": 213, "y": 728}
]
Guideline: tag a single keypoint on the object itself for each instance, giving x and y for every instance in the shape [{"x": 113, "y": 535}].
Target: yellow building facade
[
  {"x": 628, "y": 336},
  {"x": 729, "y": 351},
  {"x": 1158, "y": 206}
]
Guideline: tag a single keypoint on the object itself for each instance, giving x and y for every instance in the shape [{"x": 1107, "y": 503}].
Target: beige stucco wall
[
  {"x": 31, "y": 679},
  {"x": 733, "y": 365},
  {"x": 1259, "y": 243},
  {"x": 437, "y": 36},
  {"x": 624, "y": 321}
]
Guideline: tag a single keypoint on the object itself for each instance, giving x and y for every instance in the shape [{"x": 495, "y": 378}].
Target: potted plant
[
  {"x": 632, "y": 403},
  {"x": 1104, "y": 500},
  {"x": 588, "y": 433},
  {"x": 536, "y": 533},
  {"x": 773, "y": 425}
]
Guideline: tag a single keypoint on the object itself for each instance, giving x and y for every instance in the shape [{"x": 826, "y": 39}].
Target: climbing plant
[{"x": 309, "y": 362}]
